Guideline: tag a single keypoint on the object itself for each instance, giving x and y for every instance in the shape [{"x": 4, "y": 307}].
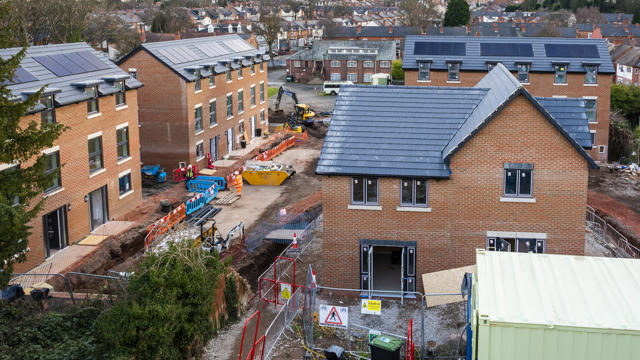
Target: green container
[
  {"x": 385, "y": 348},
  {"x": 289, "y": 78}
]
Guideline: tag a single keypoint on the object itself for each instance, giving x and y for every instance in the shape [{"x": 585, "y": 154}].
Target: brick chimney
[
  {"x": 477, "y": 33},
  {"x": 390, "y": 29},
  {"x": 177, "y": 36},
  {"x": 626, "y": 27},
  {"x": 441, "y": 29},
  {"x": 495, "y": 27},
  {"x": 358, "y": 29}
]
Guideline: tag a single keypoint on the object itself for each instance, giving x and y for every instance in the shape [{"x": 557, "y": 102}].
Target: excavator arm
[{"x": 287, "y": 92}]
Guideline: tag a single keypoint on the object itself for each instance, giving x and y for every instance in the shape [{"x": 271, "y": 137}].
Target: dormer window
[
  {"x": 212, "y": 78},
  {"x": 92, "y": 102},
  {"x": 49, "y": 113},
  {"x": 253, "y": 70},
  {"x": 228, "y": 76},
  {"x": 120, "y": 95},
  {"x": 491, "y": 65},
  {"x": 523, "y": 73},
  {"x": 560, "y": 74},
  {"x": 240, "y": 73},
  {"x": 198, "y": 86},
  {"x": 591, "y": 75},
  {"x": 454, "y": 71},
  {"x": 133, "y": 73}
]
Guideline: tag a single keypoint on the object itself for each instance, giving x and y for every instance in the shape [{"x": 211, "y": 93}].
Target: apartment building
[
  {"x": 342, "y": 60},
  {"x": 201, "y": 96},
  {"x": 97, "y": 160},
  {"x": 415, "y": 178},
  {"x": 549, "y": 67}
]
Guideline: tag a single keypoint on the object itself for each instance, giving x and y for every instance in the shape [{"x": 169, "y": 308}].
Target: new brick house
[
  {"x": 415, "y": 178},
  {"x": 201, "y": 96},
  {"x": 342, "y": 60},
  {"x": 550, "y": 67},
  {"x": 97, "y": 159}
]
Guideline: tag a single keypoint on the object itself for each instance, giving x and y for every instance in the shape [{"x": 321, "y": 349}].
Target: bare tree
[
  {"x": 548, "y": 29},
  {"x": 268, "y": 26},
  {"x": 589, "y": 15},
  {"x": 110, "y": 28},
  {"x": 420, "y": 13}
]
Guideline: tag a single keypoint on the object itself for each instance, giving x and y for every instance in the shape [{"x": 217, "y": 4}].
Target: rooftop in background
[
  {"x": 348, "y": 49},
  {"x": 558, "y": 290},
  {"x": 64, "y": 69},
  {"x": 413, "y": 131},
  {"x": 184, "y": 55},
  {"x": 375, "y": 31},
  {"x": 475, "y": 52}
]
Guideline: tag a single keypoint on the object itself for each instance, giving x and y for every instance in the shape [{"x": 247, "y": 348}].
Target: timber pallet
[{"x": 227, "y": 199}]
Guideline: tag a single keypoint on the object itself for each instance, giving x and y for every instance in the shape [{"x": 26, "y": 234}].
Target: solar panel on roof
[
  {"x": 22, "y": 76},
  {"x": 52, "y": 65},
  {"x": 506, "y": 49},
  {"x": 439, "y": 48},
  {"x": 91, "y": 58},
  {"x": 71, "y": 63},
  {"x": 571, "y": 50},
  {"x": 80, "y": 61},
  {"x": 179, "y": 54}
]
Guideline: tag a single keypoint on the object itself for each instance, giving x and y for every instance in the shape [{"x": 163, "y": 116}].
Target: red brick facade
[
  {"x": 308, "y": 69},
  {"x": 167, "y": 111},
  {"x": 541, "y": 84},
  {"x": 76, "y": 181},
  {"x": 468, "y": 204}
]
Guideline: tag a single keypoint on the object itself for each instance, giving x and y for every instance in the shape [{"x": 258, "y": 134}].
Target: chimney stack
[{"x": 390, "y": 29}]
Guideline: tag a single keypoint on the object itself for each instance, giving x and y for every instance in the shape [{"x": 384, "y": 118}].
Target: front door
[
  {"x": 253, "y": 127},
  {"x": 229, "y": 141},
  {"x": 389, "y": 268},
  {"x": 98, "y": 208},
  {"x": 213, "y": 148},
  {"x": 55, "y": 230}
]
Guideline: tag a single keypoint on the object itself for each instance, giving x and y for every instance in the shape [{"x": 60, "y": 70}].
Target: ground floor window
[
  {"x": 516, "y": 244},
  {"x": 335, "y": 77}
]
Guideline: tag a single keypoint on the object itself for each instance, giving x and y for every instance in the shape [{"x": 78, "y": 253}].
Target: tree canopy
[{"x": 457, "y": 13}]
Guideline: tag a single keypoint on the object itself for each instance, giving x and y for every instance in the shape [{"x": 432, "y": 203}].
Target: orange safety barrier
[
  {"x": 180, "y": 174},
  {"x": 163, "y": 225},
  {"x": 273, "y": 152}
]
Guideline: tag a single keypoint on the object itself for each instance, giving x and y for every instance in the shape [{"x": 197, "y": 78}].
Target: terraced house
[
  {"x": 97, "y": 161},
  {"x": 415, "y": 178},
  {"x": 549, "y": 67},
  {"x": 201, "y": 96}
]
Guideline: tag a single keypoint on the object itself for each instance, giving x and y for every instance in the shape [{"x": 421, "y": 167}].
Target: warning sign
[
  {"x": 372, "y": 307},
  {"x": 285, "y": 290},
  {"x": 334, "y": 316}
]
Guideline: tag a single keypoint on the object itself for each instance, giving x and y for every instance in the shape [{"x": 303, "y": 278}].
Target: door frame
[
  {"x": 104, "y": 193},
  {"x": 63, "y": 231},
  {"x": 407, "y": 269},
  {"x": 213, "y": 150}
]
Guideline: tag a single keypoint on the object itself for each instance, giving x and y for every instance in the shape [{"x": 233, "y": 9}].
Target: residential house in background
[
  {"x": 97, "y": 160},
  {"x": 416, "y": 178},
  {"x": 342, "y": 60},
  {"x": 201, "y": 96},
  {"x": 395, "y": 33},
  {"x": 550, "y": 67},
  {"x": 626, "y": 60}
]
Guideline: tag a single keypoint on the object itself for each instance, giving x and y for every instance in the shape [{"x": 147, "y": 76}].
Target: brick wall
[
  {"x": 306, "y": 70},
  {"x": 75, "y": 178},
  {"x": 167, "y": 111},
  {"x": 467, "y": 205},
  {"x": 541, "y": 84}
]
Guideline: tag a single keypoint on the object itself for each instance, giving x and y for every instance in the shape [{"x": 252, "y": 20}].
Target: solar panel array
[
  {"x": 71, "y": 63},
  {"x": 178, "y": 54},
  {"x": 506, "y": 49},
  {"x": 571, "y": 51},
  {"x": 22, "y": 76},
  {"x": 440, "y": 48},
  {"x": 215, "y": 49}
]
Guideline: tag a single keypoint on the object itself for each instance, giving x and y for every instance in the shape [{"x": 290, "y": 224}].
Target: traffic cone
[{"x": 294, "y": 245}]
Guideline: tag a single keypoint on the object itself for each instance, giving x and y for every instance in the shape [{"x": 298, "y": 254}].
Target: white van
[{"x": 333, "y": 87}]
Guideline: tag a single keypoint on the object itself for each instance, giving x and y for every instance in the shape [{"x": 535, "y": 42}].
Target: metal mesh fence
[
  {"x": 610, "y": 237},
  {"x": 283, "y": 320}
]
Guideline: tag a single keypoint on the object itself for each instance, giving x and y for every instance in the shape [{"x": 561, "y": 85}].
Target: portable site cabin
[
  {"x": 554, "y": 307},
  {"x": 380, "y": 79}
]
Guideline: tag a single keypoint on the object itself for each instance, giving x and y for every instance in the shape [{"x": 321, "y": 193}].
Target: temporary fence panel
[
  {"x": 253, "y": 343},
  {"x": 218, "y": 180},
  {"x": 282, "y": 321},
  {"x": 18, "y": 278},
  {"x": 180, "y": 174},
  {"x": 605, "y": 233},
  {"x": 165, "y": 223}
]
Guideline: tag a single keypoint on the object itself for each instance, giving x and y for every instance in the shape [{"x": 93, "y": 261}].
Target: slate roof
[
  {"x": 447, "y": 31},
  {"x": 619, "y": 50},
  {"x": 613, "y": 30},
  {"x": 320, "y": 50},
  {"x": 403, "y": 131},
  {"x": 375, "y": 31},
  {"x": 630, "y": 58},
  {"x": 182, "y": 56},
  {"x": 63, "y": 86},
  {"x": 488, "y": 29},
  {"x": 571, "y": 114},
  {"x": 617, "y": 17},
  {"x": 540, "y": 62}
]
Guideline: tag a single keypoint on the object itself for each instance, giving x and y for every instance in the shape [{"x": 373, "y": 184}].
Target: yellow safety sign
[
  {"x": 372, "y": 307},
  {"x": 285, "y": 291}
]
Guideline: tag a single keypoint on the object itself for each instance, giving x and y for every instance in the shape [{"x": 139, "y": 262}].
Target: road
[{"x": 307, "y": 94}]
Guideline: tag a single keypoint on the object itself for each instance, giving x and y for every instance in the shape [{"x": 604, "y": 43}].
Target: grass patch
[{"x": 271, "y": 91}]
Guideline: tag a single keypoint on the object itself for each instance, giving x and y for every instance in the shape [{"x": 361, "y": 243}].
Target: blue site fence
[
  {"x": 203, "y": 183},
  {"x": 197, "y": 202}
]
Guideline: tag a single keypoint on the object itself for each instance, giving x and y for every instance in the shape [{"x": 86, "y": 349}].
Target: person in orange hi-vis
[{"x": 237, "y": 183}]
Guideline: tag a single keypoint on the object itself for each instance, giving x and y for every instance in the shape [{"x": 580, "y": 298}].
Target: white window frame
[
  {"x": 335, "y": 63},
  {"x": 385, "y": 64},
  {"x": 593, "y": 141},
  {"x": 352, "y": 63},
  {"x": 423, "y": 71},
  {"x": 369, "y": 76},
  {"x": 200, "y": 142},
  {"x": 130, "y": 191},
  {"x": 296, "y": 63},
  {"x": 528, "y": 72},
  {"x": 350, "y": 77},
  {"x": 595, "y": 110},
  {"x": 368, "y": 64}
]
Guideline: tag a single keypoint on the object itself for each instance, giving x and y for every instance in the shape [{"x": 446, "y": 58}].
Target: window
[
  {"x": 240, "y": 101},
  {"x": 296, "y": 63},
  {"x": 523, "y": 73},
  {"x": 253, "y": 70},
  {"x": 561, "y": 74},
  {"x": 240, "y": 73},
  {"x": 591, "y": 109},
  {"x": 454, "y": 71},
  {"x": 252, "y": 94},
  {"x": 364, "y": 190},
  {"x": 228, "y": 76},
  {"x": 199, "y": 150},
  {"x": 241, "y": 127},
  {"x": 48, "y": 115},
  {"x": 124, "y": 183},
  {"x": 261, "y": 67},
  {"x": 212, "y": 113},
  {"x": 92, "y": 103},
  {"x": 229, "y": 106},
  {"x": 52, "y": 166},
  {"x": 385, "y": 64},
  {"x": 198, "y": 118},
  {"x": 601, "y": 149},
  {"x": 352, "y": 63},
  {"x": 516, "y": 245},
  {"x": 591, "y": 76},
  {"x": 121, "y": 100},
  {"x": 413, "y": 192},
  {"x": 122, "y": 141},
  {"x": 262, "y": 92},
  {"x": 95, "y": 154},
  {"x": 212, "y": 79},
  {"x": 335, "y": 63},
  {"x": 262, "y": 119},
  {"x": 593, "y": 138},
  {"x": 424, "y": 71},
  {"x": 518, "y": 180},
  {"x": 12, "y": 171},
  {"x": 490, "y": 66},
  {"x": 336, "y": 77},
  {"x": 197, "y": 86},
  {"x": 367, "y": 77},
  {"x": 133, "y": 73},
  {"x": 635, "y": 71},
  {"x": 367, "y": 63},
  {"x": 352, "y": 77}
]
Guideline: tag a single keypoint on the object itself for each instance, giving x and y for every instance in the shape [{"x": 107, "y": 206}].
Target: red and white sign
[{"x": 334, "y": 316}]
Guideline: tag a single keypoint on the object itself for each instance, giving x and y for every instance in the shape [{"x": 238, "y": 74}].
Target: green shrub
[
  {"x": 231, "y": 297},
  {"x": 396, "y": 70}
]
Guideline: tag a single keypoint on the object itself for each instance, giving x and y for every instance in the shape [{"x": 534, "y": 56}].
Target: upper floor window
[
  {"x": 121, "y": 99},
  {"x": 523, "y": 73},
  {"x": 262, "y": 92},
  {"x": 49, "y": 113},
  {"x": 198, "y": 118},
  {"x": 352, "y": 63},
  {"x": 92, "y": 102},
  {"x": 454, "y": 71},
  {"x": 253, "y": 95},
  {"x": 229, "y": 106},
  {"x": 240, "y": 101},
  {"x": 52, "y": 168},
  {"x": 228, "y": 76},
  {"x": 14, "y": 199},
  {"x": 336, "y": 63},
  {"x": 95, "y": 154},
  {"x": 516, "y": 245},
  {"x": 364, "y": 190},
  {"x": 385, "y": 64},
  {"x": 591, "y": 75},
  {"x": 200, "y": 150},
  {"x": 133, "y": 73},
  {"x": 261, "y": 67},
  {"x": 122, "y": 142},
  {"x": 198, "y": 85},
  {"x": 413, "y": 192},
  {"x": 518, "y": 180},
  {"x": 252, "y": 69},
  {"x": 591, "y": 109},
  {"x": 491, "y": 65},
  {"x": 560, "y": 74},
  {"x": 212, "y": 79},
  {"x": 424, "y": 71},
  {"x": 296, "y": 63},
  {"x": 124, "y": 184},
  {"x": 212, "y": 113},
  {"x": 240, "y": 73}
]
